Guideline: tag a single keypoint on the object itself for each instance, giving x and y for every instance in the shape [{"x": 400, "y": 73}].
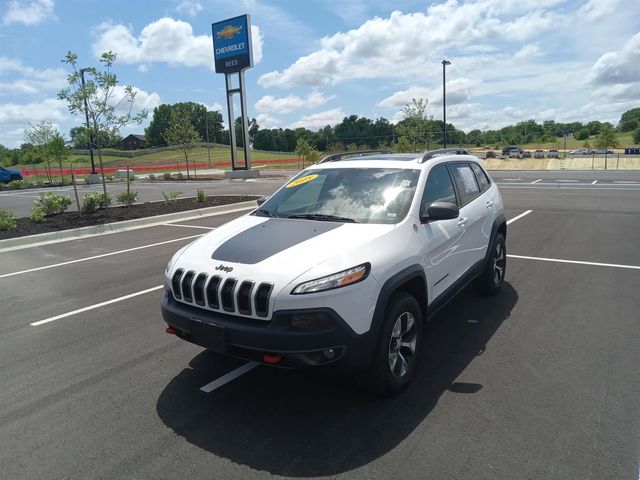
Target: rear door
[
  {"x": 441, "y": 238},
  {"x": 473, "y": 216}
]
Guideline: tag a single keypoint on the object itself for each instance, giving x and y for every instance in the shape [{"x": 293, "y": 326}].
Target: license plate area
[{"x": 208, "y": 335}]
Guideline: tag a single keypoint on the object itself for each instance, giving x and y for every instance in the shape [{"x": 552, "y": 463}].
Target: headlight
[{"x": 337, "y": 280}]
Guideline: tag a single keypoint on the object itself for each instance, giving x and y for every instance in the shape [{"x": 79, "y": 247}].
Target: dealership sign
[{"x": 232, "y": 44}]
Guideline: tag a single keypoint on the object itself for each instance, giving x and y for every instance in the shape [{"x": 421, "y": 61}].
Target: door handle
[
  {"x": 462, "y": 221},
  {"x": 489, "y": 204}
]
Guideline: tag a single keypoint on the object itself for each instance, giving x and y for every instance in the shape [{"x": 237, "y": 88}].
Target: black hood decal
[{"x": 269, "y": 238}]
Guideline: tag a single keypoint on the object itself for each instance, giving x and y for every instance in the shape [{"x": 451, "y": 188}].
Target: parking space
[{"x": 538, "y": 382}]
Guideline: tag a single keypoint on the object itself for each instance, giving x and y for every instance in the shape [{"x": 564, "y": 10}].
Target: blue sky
[{"x": 319, "y": 60}]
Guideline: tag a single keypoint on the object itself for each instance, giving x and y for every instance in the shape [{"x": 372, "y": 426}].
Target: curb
[{"x": 19, "y": 243}]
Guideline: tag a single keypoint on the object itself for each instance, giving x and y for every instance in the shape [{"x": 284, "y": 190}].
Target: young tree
[
  {"x": 58, "y": 151},
  {"x": 39, "y": 136},
  {"x": 303, "y": 149},
  {"x": 182, "y": 133},
  {"x": 416, "y": 124},
  {"x": 606, "y": 138},
  {"x": 108, "y": 105}
]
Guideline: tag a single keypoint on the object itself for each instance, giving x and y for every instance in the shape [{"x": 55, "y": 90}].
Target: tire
[
  {"x": 14, "y": 177},
  {"x": 397, "y": 352},
  {"x": 492, "y": 277}
]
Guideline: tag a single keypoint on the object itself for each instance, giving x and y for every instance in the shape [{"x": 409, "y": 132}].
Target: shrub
[
  {"x": 151, "y": 177},
  {"x": 180, "y": 176},
  {"x": 166, "y": 176},
  {"x": 39, "y": 182},
  {"x": 7, "y": 219},
  {"x": 16, "y": 184},
  {"x": 90, "y": 203},
  {"x": 127, "y": 198},
  {"x": 52, "y": 203},
  {"x": 37, "y": 214},
  {"x": 200, "y": 196},
  {"x": 104, "y": 200},
  {"x": 171, "y": 197},
  {"x": 109, "y": 178}
]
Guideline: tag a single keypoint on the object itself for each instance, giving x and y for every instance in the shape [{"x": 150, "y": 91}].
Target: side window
[
  {"x": 439, "y": 187},
  {"x": 482, "y": 178},
  {"x": 465, "y": 182}
]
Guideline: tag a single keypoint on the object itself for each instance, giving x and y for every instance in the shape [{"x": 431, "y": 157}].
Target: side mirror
[
  {"x": 262, "y": 199},
  {"x": 439, "y": 211}
]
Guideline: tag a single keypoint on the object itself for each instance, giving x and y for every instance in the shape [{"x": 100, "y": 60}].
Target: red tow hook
[
  {"x": 271, "y": 358},
  {"x": 170, "y": 330}
]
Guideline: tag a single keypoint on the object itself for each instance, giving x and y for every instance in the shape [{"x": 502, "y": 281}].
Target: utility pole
[
  {"x": 86, "y": 116},
  {"x": 206, "y": 122},
  {"x": 444, "y": 102}
]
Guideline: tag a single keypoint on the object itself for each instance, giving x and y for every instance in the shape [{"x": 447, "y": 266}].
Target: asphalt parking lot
[{"x": 539, "y": 382}]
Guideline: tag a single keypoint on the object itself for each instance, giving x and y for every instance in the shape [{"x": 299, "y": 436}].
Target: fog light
[
  {"x": 311, "y": 321},
  {"x": 330, "y": 354}
]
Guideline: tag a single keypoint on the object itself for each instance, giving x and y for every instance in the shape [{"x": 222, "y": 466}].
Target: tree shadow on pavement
[{"x": 308, "y": 424}]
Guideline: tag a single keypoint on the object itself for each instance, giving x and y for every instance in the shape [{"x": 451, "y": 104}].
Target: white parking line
[
  {"x": 35, "y": 269},
  {"x": 626, "y": 182},
  {"x": 509, "y": 222},
  {"x": 232, "y": 375},
  {"x": 563, "y": 180},
  {"x": 594, "y": 182},
  {"x": 536, "y": 181},
  {"x": 187, "y": 226},
  {"x": 578, "y": 262},
  {"x": 93, "y": 307}
]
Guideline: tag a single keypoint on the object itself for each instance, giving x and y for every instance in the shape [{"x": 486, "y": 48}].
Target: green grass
[{"x": 172, "y": 157}]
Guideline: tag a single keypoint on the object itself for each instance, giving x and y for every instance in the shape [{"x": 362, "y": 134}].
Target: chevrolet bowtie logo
[{"x": 229, "y": 32}]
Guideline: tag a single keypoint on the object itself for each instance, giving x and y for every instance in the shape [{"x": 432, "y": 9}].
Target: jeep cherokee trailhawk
[{"x": 343, "y": 264}]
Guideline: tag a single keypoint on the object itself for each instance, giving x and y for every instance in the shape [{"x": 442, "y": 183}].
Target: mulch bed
[{"x": 116, "y": 214}]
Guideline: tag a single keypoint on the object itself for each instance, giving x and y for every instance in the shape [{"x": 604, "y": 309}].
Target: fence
[{"x": 146, "y": 151}]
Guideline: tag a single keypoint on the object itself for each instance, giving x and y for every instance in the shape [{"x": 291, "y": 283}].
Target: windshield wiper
[
  {"x": 323, "y": 217},
  {"x": 266, "y": 213}
]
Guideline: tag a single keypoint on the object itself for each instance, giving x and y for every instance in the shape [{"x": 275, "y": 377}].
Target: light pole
[
  {"x": 444, "y": 103},
  {"x": 86, "y": 116},
  {"x": 206, "y": 122}
]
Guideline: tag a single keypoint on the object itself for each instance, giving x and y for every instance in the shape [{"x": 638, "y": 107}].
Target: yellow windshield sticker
[{"x": 302, "y": 180}]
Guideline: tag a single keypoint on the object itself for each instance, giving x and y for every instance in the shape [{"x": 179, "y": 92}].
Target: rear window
[{"x": 465, "y": 181}]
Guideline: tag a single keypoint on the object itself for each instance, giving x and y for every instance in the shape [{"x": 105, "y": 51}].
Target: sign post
[{"x": 233, "y": 54}]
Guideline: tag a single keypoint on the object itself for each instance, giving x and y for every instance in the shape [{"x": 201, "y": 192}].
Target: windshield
[{"x": 363, "y": 195}]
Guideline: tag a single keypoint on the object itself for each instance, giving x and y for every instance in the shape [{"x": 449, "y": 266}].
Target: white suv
[{"x": 343, "y": 264}]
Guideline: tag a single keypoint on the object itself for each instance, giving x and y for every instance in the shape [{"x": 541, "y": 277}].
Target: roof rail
[
  {"x": 442, "y": 151},
  {"x": 338, "y": 156}
]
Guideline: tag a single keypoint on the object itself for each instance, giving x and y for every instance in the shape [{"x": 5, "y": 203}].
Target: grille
[
  {"x": 186, "y": 286},
  {"x": 198, "y": 289},
  {"x": 244, "y": 297},
  {"x": 227, "y": 294},
  {"x": 262, "y": 299},
  {"x": 217, "y": 293},
  {"x": 212, "y": 292},
  {"x": 175, "y": 283}
]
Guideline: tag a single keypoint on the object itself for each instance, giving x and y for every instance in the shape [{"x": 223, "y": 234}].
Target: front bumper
[{"x": 252, "y": 339}]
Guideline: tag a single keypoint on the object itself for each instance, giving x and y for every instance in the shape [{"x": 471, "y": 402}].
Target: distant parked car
[
  {"x": 538, "y": 154},
  {"x": 602, "y": 151},
  {"x": 489, "y": 154},
  {"x": 506, "y": 151},
  {"x": 526, "y": 154},
  {"x": 515, "y": 154},
  {"x": 580, "y": 151},
  {"x": 7, "y": 175},
  {"x": 553, "y": 153}
]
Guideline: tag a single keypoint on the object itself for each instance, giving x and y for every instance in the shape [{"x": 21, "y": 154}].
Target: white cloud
[
  {"x": 318, "y": 120},
  {"x": 142, "y": 101},
  {"x": 528, "y": 52},
  {"x": 619, "y": 67},
  {"x": 405, "y": 45},
  {"x": 164, "y": 40},
  {"x": 188, "y": 8},
  {"x": 596, "y": 9},
  {"x": 458, "y": 91},
  {"x": 51, "y": 109},
  {"x": 267, "y": 121},
  {"x": 28, "y": 12},
  {"x": 287, "y": 104},
  {"x": 28, "y": 80}
]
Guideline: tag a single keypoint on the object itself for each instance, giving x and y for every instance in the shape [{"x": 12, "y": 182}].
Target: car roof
[{"x": 392, "y": 160}]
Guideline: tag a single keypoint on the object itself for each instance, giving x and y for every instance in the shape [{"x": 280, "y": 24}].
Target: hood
[{"x": 276, "y": 250}]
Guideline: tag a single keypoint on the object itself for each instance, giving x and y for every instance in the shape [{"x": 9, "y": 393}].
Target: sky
[{"x": 317, "y": 61}]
